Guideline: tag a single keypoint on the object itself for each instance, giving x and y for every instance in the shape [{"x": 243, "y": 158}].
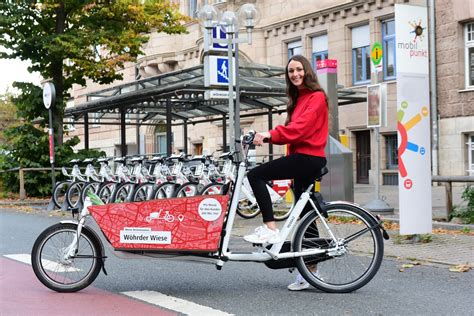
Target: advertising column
[{"x": 414, "y": 161}]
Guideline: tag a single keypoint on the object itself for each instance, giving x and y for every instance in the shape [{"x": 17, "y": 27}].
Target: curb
[
  {"x": 436, "y": 224},
  {"x": 23, "y": 203}
]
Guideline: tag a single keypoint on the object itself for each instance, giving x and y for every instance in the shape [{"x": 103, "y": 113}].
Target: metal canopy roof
[{"x": 261, "y": 87}]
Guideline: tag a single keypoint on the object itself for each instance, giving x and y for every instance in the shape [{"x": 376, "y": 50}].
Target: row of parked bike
[{"x": 141, "y": 178}]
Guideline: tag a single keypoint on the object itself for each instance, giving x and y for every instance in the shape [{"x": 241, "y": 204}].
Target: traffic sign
[
  {"x": 376, "y": 53},
  {"x": 217, "y": 72},
  {"x": 49, "y": 94}
]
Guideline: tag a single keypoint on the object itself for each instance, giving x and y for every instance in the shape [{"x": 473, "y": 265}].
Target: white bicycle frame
[
  {"x": 246, "y": 191},
  {"x": 262, "y": 254}
]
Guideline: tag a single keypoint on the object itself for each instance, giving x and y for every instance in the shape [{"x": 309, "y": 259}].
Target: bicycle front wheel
[
  {"x": 188, "y": 189},
  {"x": 55, "y": 270},
  {"x": 59, "y": 192},
  {"x": 89, "y": 187},
  {"x": 73, "y": 194},
  {"x": 165, "y": 190},
  {"x": 144, "y": 192},
  {"x": 106, "y": 190},
  {"x": 123, "y": 193},
  {"x": 356, "y": 261},
  {"x": 212, "y": 189}
]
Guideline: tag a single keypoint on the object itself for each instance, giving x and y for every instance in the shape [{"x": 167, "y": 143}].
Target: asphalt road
[{"x": 239, "y": 288}]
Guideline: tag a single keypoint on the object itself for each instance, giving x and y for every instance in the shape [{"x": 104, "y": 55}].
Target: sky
[{"x": 15, "y": 70}]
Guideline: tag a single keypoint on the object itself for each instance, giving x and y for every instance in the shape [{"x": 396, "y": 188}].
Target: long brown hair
[{"x": 310, "y": 81}]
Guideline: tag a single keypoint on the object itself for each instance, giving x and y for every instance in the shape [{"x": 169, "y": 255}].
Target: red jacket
[{"x": 307, "y": 131}]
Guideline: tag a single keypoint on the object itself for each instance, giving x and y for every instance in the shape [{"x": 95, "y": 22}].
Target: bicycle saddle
[{"x": 319, "y": 176}]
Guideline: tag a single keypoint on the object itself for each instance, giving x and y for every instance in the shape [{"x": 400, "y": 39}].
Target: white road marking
[
  {"x": 26, "y": 258},
  {"x": 174, "y": 303}
]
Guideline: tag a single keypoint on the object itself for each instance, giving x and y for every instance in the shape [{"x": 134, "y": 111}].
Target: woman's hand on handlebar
[{"x": 261, "y": 138}]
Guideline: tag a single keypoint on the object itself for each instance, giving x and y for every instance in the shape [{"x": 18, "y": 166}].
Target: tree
[
  {"x": 7, "y": 115},
  {"x": 62, "y": 39}
]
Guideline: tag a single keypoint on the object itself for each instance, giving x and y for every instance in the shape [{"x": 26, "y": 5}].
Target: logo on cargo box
[
  {"x": 210, "y": 209},
  {"x": 164, "y": 217}
]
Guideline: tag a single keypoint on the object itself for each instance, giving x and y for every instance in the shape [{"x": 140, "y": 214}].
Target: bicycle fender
[{"x": 378, "y": 221}]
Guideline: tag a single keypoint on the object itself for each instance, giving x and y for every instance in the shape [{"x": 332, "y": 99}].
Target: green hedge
[{"x": 28, "y": 147}]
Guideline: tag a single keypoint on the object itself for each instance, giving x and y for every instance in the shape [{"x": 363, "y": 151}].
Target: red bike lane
[{"x": 21, "y": 293}]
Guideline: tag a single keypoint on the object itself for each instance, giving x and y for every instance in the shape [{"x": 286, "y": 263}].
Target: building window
[
  {"x": 361, "y": 55},
  {"x": 69, "y": 126},
  {"x": 294, "y": 48},
  {"x": 96, "y": 119},
  {"x": 192, "y": 8},
  {"x": 320, "y": 49},
  {"x": 469, "y": 40},
  {"x": 388, "y": 46},
  {"x": 470, "y": 154},
  {"x": 160, "y": 145},
  {"x": 391, "y": 151}
]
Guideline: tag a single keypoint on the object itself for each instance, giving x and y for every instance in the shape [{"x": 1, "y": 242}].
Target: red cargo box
[{"x": 179, "y": 224}]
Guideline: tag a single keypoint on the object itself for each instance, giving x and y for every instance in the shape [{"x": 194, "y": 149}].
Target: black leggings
[{"x": 302, "y": 168}]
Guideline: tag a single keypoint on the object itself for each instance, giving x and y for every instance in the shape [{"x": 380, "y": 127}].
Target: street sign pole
[
  {"x": 49, "y": 97},
  {"x": 377, "y": 205}
]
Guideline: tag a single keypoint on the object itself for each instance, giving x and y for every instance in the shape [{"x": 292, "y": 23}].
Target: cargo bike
[{"x": 340, "y": 240}]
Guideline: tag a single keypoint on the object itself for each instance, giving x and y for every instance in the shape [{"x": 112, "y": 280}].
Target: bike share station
[{"x": 199, "y": 228}]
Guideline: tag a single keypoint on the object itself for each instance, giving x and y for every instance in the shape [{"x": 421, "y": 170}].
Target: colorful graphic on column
[
  {"x": 405, "y": 144},
  {"x": 417, "y": 30}
]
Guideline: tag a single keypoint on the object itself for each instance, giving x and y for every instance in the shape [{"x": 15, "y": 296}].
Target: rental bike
[{"x": 337, "y": 246}]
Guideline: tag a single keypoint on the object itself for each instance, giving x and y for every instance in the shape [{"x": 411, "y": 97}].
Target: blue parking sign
[
  {"x": 218, "y": 33},
  {"x": 222, "y": 70}
]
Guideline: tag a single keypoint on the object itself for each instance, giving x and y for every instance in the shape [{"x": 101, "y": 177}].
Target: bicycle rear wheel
[
  {"x": 358, "y": 259},
  {"x": 63, "y": 274}
]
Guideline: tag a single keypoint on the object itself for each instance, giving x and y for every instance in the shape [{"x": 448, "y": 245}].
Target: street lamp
[{"x": 247, "y": 16}]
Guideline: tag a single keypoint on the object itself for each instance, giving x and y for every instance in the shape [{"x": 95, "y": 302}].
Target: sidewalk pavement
[{"x": 451, "y": 244}]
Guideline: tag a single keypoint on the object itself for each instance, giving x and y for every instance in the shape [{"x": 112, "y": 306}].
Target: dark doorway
[{"x": 363, "y": 156}]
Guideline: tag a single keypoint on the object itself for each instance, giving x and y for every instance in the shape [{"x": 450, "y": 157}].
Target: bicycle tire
[
  {"x": 123, "y": 193},
  {"x": 246, "y": 210},
  {"x": 282, "y": 207},
  {"x": 73, "y": 194},
  {"x": 144, "y": 192},
  {"x": 360, "y": 259},
  {"x": 90, "y": 186},
  {"x": 165, "y": 190},
  {"x": 63, "y": 275},
  {"x": 60, "y": 191},
  {"x": 187, "y": 189},
  {"x": 106, "y": 190},
  {"x": 212, "y": 189}
]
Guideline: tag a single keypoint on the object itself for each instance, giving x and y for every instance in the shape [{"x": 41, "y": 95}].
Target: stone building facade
[{"x": 337, "y": 29}]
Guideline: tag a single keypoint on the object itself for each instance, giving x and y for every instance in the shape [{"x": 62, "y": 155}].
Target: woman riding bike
[{"x": 305, "y": 132}]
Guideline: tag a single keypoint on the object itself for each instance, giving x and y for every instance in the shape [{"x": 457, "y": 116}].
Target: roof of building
[{"x": 261, "y": 87}]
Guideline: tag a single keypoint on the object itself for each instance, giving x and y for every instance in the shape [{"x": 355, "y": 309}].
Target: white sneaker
[
  {"x": 263, "y": 234},
  {"x": 299, "y": 284}
]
